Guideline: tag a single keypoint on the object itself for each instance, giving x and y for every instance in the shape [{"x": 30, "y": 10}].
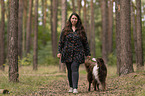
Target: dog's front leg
[
  {"x": 94, "y": 84},
  {"x": 89, "y": 86},
  {"x": 98, "y": 86}
]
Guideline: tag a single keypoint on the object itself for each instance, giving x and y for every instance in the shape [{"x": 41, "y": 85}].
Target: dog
[{"x": 96, "y": 73}]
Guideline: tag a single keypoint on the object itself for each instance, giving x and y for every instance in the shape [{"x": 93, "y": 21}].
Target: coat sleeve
[
  {"x": 61, "y": 43},
  {"x": 86, "y": 46}
]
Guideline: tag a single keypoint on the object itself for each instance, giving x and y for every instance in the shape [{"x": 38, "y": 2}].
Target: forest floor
[
  {"x": 48, "y": 81},
  {"x": 120, "y": 86},
  {"x": 132, "y": 84}
]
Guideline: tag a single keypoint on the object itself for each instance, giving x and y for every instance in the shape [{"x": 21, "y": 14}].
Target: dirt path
[{"x": 128, "y": 85}]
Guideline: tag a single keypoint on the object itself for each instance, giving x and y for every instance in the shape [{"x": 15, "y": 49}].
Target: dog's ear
[{"x": 101, "y": 60}]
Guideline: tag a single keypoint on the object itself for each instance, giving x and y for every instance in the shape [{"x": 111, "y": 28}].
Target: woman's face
[{"x": 74, "y": 20}]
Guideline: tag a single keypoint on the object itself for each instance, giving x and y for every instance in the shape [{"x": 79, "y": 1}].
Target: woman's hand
[
  {"x": 89, "y": 57},
  {"x": 59, "y": 55}
]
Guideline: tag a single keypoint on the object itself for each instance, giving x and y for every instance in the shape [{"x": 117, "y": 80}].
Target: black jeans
[{"x": 73, "y": 74}]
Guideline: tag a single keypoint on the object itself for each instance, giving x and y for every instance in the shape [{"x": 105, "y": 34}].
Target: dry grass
[{"x": 49, "y": 81}]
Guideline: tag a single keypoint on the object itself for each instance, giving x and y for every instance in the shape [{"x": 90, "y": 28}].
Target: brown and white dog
[{"x": 96, "y": 73}]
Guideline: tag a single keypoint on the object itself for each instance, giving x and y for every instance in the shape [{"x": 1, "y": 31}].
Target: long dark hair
[{"x": 79, "y": 27}]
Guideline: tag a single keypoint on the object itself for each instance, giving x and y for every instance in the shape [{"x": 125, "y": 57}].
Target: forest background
[{"x": 29, "y": 36}]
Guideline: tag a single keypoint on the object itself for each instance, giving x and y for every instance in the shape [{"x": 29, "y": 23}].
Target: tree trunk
[
  {"x": 140, "y": 62},
  {"x": 20, "y": 28},
  {"x": 85, "y": 21},
  {"x": 13, "y": 43},
  {"x": 63, "y": 13},
  {"x": 8, "y": 28},
  {"x": 25, "y": 8},
  {"x": 51, "y": 21},
  {"x": 54, "y": 28},
  {"x": 92, "y": 31},
  {"x": 104, "y": 29},
  {"x": 118, "y": 46},
  {"x": 62, "y": 67},
  {"x": 84, "y": 14},
  {"x": 44, "y": 12},
  {"x": 73, "y": 4},
  {"x": 79, "y": 7},
  {"x": 134, "y": 29},
  {"x": 28, "y": 30},
  {"x": 2, "y": 34},
  {"x": 110, "y": 26},
  {"x": 35, "y": 57},
  {"x": 126, "y": 65},
  {"x": 42, "y": 1}
]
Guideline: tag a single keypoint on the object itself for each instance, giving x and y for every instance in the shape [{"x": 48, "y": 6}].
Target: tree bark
[
  {"x": 44, "y": 12},
  {"x": 28, "y": 30},
  {"x": 35, "y": 51},
  {"x": 134, "y": 29},
  {"x": 92, "y": 31},
  {"x": 110, "y": 26},
  {"x": 2, "y": 34},
  {"x": 86, "y": 25},
  {"x": 140, "y": 62},
  {"x": 20, "y": 28},
  {"x": 85, "y": 15},
  {"x": 8, "y": 28},
  {"x": 62, "y": 67},
  {"x": 42, "y": 1},
  {"x": 79, "y": 7},
  {"x": 73, "y": 4},
  {"x": 118, "y": 46},
  {"x": 54, "y": 28},
  {"x": 63, "y": 13},
  {"x": 25, "y": 8},
  {"x": 126, "y": 65},
  {"x": 13, "y": 43},
  {"x": 104, "y": 29}
]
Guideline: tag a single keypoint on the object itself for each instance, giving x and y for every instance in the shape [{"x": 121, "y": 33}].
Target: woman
[{"x": 73, "y": 47}]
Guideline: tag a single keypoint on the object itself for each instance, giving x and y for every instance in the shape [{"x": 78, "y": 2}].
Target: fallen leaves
[{"x": 130, "y": 84}]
